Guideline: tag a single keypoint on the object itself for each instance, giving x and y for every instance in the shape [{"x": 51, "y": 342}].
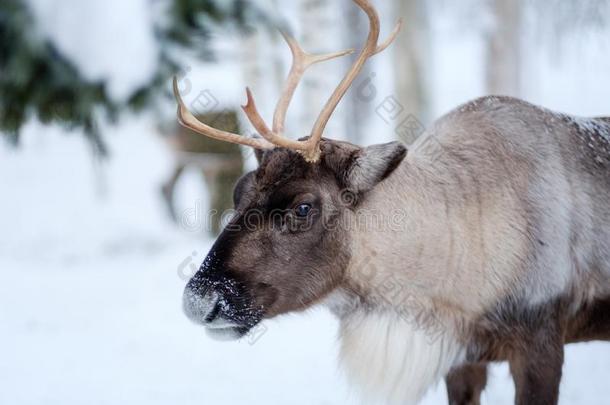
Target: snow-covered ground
[{"x": 91, "y": 271}]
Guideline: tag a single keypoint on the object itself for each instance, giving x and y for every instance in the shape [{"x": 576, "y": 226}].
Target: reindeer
[{"x": 494, "y": 228}]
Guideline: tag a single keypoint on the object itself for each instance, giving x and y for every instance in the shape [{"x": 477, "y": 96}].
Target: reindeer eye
[{"x": 302, "y": 210}]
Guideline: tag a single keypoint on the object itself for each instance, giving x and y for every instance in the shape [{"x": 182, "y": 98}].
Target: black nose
[
  {"x": 212, "y": 298},
  {"x": 213, "y": 314},
  {"x": 200, "y": 302},
  {"x": 210, "y": 295}
]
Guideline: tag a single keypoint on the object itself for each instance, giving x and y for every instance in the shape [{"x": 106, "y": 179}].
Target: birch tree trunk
[
  {"x": 358, "y": 103},
  {"x": 321, "y": 24},
  {"x": 503, "y": 62},
  {"x": 253, "y": 73},
  {"x": 279, "y": 71},
  {"x": 412, "y": 62}
]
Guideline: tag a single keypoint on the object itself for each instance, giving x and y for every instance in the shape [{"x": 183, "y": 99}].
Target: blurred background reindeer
[{"x": 219, "y": 163}]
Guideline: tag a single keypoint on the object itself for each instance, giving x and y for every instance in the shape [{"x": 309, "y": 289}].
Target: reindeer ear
[
  {"x": 259, "y": 153},
  {"x": 360, "y": 169}
]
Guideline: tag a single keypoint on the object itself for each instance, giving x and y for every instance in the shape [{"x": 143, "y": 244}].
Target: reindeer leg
[
  {"x": 167, "y": 191},
  {"x": 536, "y": 363},
  {"x": 465, "y": 384}
]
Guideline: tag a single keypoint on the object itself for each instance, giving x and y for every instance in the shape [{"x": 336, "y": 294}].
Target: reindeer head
[{"x": 286, "y": 247}]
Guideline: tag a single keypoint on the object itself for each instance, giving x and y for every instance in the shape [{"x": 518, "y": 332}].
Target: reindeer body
[{"x": 506, "y": 220}]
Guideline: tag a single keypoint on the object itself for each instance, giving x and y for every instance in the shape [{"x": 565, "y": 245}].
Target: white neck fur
[{"x": 393, "y": 360}]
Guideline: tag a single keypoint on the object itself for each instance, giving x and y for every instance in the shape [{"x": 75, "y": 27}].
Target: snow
[
  {"x": 107, "y": 23},
  {"x": 91, "y": 272}
]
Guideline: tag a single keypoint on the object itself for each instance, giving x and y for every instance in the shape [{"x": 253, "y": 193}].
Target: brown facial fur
[{"x": 299, "y": 260}]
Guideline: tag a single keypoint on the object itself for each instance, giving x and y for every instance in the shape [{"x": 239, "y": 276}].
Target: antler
[
  {"x": 301, "y": 62},
  {"x": 188, "y": 120}
]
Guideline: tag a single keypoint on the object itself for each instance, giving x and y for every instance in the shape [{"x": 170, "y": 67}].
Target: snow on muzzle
[{"x": 220, "y": 304}]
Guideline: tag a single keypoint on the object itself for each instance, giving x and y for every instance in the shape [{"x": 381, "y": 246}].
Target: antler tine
[
  {"x": 262, "y": 128},
  {"x": 188, "y": 120},
  {"x": 382, "y": 47},
  {"x": 371, "y": 48},
  {"x": 301, "y": 61},
  {"x": 254, "y": 116}
]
